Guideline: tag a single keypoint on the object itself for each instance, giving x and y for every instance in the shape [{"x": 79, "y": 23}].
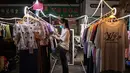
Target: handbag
[{"x": 63, "y": 45}]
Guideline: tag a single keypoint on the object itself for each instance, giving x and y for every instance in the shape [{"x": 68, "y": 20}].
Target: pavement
[
  {"x": 72, "y": 69},
  {"x": 77, "y": 68}
]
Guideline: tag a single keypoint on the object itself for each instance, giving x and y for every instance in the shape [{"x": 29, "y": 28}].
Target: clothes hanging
[
  {"x": 8, "y": 48},
  {"x": 33, "y": 40},
  {"x": 7, "y": 45},
  {"x": 107, "y": 43},
  {"x": 28, "y": 62},
  {"x": 112, "y": 41},
  {"x": 24, "y": 37},
  {"x": 128, "y": 50},
  {"x": 85, "y": 44}
]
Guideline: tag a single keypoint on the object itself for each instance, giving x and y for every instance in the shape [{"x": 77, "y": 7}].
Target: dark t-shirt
[{"x": 7, "y": 49}]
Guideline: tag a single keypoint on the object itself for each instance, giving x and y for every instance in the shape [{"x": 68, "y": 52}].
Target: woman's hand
[
  {"x": 56, "y": 37},
  {"x": 57, "y": 34}
]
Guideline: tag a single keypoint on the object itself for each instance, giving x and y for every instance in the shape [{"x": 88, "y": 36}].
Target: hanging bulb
[
  {"x": 37, "y": 5},
  {"x": 36, "y": 2}
]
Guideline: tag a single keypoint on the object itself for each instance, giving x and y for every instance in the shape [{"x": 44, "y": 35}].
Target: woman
[{"x": 64, "y": 39}]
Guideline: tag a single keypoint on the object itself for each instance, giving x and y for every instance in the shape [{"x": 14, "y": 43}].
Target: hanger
[
  {"x": 112, "y": 17},
  {"x": 27, "y": 16}
]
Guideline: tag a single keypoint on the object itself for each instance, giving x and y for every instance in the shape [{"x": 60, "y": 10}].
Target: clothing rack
[
  {"x": 29, "y": 12},
  {"x": 108, "y": 14},
  {"x": 37, "y": 16},
  {"x": 55, "y": 60},
  {"x": 83, "y": 16},
  {"x": 105, "y": 15},
  {"x": 6, "y": 22},
  {"x": 43, "y": 13},
  {"x": 57, "y": 17},
  {"x": 124, "y": 17},
  {"x": 77, "y": 18},
  {"x": 101, "y": 4},
  {"x": 101, "y": 16},
  {"x": 15, "y": 18}
]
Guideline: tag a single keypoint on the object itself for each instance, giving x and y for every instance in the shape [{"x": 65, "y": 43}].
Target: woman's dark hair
[{"x": 65, "y": 22}]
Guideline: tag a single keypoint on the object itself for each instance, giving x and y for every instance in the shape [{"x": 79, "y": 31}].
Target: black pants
[
  {"x": 45, "y": 59},
  {"x": 28, "y": 62},
  {"x": 90, "y": 64},
  {"x": 64, "y": 61}
]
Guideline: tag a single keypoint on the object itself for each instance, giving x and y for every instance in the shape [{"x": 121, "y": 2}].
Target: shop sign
[
  {"x": 91, "y": 6},
  {"x": 95, "y": 6},
  {"x": 18, "y": 11},
  {"x": 6, "y": 11},
  {"x": 63, "y": 11}
]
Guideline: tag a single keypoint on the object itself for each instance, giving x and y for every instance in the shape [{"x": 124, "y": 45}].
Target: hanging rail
[{"x": 107, "y": 14}]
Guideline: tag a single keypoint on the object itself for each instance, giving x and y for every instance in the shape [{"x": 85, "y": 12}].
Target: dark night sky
[
  {"x": 16, "y": 1},
  {"x": 31, "y": 1},
  {"x": 48, "y": 1}
]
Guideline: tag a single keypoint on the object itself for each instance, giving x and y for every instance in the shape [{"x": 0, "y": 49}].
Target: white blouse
[
  {"x": 24, "y": 37},
  {"x": 63, "y": 36}
]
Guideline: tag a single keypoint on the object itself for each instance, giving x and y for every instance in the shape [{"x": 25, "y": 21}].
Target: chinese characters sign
[
  {"x": 11, "y": 11},
  {"x": 60, "y": 1},
  {"x": 18, "y": 11},
  {"x": 63, "y": 11}
]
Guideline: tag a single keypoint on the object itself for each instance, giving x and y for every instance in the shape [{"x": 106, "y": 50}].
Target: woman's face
[{"x": 61, "y": 23}]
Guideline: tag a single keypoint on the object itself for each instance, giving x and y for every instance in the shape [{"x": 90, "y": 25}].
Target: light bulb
[{"x": 36, "y": 2}]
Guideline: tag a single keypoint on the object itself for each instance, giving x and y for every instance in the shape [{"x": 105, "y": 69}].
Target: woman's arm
[{"x": 67, "y": 37}]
